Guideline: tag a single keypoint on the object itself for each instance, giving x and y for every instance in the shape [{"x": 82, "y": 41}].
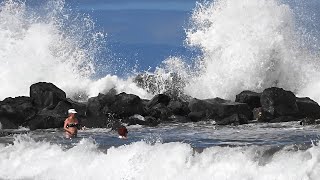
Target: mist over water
[
  {"x": 51, "y": 43},
  {"x": 251, "y": 45},
  {"x": 246, "y": 45}
]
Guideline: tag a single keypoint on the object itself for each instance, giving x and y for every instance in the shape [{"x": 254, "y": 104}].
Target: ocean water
[
  {"x": 218, "y": 48},
  {"x": 175, "y": 151}
]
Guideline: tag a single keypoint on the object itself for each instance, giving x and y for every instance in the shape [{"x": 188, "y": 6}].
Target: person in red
[{"x": 123, "y": 132}]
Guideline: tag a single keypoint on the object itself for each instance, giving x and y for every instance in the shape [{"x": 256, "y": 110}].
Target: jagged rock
[
  {"x": 179, "y": 107},
  {"x": 159, "y": 99},
  {"x": 44, "y": 121},
  {"x": 309, "y": 121},
  {"x": 17, "y": 110},
  {"x": 126, "y": 105},
  {"x": 229, "y": 108},
  {"x": 234, "y": 119},
  {"x": 218, "y": 109},
  {"x": 94, "y": 122},
  {"x": 160, "y": 111},
  {"x": 151, "y": 121},
  {"x": 178, "y": 119},
  {"x": 261, "y": 116},
  {"x": 98, "y": 106},
  {"x": 250, "y": 98},
  {"x": 197, "y": 116},
  {"x": 6, "y": 124},
  {"x": 283, "y": 119},
  {"x": 46, "y": 95},
  {"x": 278, "y": 102},
  {"x": 308, "y": 108}
]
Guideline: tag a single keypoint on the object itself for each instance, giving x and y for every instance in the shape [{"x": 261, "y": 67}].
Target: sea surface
[
  {"x": 170, "y": 151},
  {"x": 217, "y": 48}
]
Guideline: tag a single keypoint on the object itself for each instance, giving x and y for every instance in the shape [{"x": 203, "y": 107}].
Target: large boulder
[
  {"x": 283, "y": 119},
  {"x": 50, "y": 118},
  {"x": 159, "y": 99},
  {"x": 98, "y": 106},
  {"x": 197, "y": 116},
  {"x": 309, "y": 121},
  {"x": 46, "y": 95},
  {"x": 278, "y": 102},
  {"x": 218, "y": 109},
  {"x": 261, "y": 116},
  {"x": 54, "y": 118},
  {"x": 44, "y": 121},
  {"x": 234, "y": 119},
  {"x": 179, "y": 107},
  {"x": 308, "y": 108},
  {"x": 17, "y": 110},
  {"x": 126, "y": 105},
  {"x": 159, "y": 111},
  {"x": 6, "y": 124},
  {"x": 250, "y": 98}
]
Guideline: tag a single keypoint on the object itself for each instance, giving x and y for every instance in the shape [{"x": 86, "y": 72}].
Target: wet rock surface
[{"x": 47, "y": 107}]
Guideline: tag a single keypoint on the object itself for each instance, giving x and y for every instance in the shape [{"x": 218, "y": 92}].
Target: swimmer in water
[
  {"x": 123, "y": 132},
  {"x": 71, "y": 124}
]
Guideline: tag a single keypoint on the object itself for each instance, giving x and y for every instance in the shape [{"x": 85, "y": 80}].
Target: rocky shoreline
[{"x": 47, "y": 106}]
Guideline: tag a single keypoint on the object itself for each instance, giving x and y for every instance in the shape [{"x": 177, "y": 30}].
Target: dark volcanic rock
[
  {"x": 218, "y": 109},
  {"x": 309, "y": 121},
  {"x": 283, "y": 119},
  {"x": 159, "y": 99},
  {"x": 46, "y": 95},
  {"x": 44, "y": 121},
  {"x": 6, "y": 124},
  {"x": 308, "y": 108},
  {"x": 234, "y": 119},
  {"x": 126, "y": 105},
  {"x": 250, "y": 98},
  {"x": 179, "y": 107},
  {"x": 98, "y": 106},
  {"x": 261, "y": 116},
  {"x": 178, "y": 119},
  {"x": 197, "y": 116},
  {"x": 54, "y": 118},
  {"x": 151, "y": 121},
  {"x": 159, "y": 111},
  {"x": 229, "y": 108},
  {"x": 278, "y": 102},
  {"x": 50, "y": 118},
  {"x": 17, "y": 110}
]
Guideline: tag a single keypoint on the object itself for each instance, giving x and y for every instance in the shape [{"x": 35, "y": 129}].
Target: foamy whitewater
[
  {"x": 253, "y": 44},
  {"x": 189, "y": 151},
  {"x": 53, "y": 44},
  {"x": 249, "y": 48},
  {"x": 245, "y": 44}
]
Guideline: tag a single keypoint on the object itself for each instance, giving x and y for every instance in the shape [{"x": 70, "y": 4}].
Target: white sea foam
[
  {"x": 54, "y": 44},
  {"x": 246, "y": 45},
  {"x": 250, "y": 45},
  {"x": 27, "y": 159}
]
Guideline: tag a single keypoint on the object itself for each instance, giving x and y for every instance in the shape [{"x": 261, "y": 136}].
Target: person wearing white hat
[{"x": 71, "y": 124}]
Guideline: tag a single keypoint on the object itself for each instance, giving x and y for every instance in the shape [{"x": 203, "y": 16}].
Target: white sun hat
[{"x": 72, "y": 111}]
